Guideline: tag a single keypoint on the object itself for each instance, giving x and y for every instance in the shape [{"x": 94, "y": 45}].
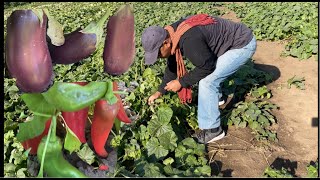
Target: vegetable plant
[{"x": 297, "y": 81}]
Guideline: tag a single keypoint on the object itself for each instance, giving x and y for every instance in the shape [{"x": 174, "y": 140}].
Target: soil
[{"x": 237, "y": 155}]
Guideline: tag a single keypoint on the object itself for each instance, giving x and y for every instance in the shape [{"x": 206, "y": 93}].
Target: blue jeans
[{"x": 209, "y": 87}]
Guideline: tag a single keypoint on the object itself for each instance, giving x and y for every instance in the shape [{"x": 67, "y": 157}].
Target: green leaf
[
  {"x": 139, "y": 166},
  {"x": 169, "y": 170},
  {"x": 32, "y": 128},
  {"x": 168, "y": 161},
  {"x": 71, "y": 141},
  {"x": 131, "y": 97},
  {"x": 243, "y": 124},
  {"x": 203, "y": 170},
  {"x": 156, "y": 128},
  {"x": 180, "y": 151},
  {"x": 86, "y": 154},
  {"x": 168, "y": 140},
  {"x": 262, "y": 119},
  {"x": 143, "y": 132},
  {"x": 147, "y": 72},
  {"x": 154, "y": 148},
  {"x": 20, "y": 173},
  {"x": 202, "y": 160},
  {"x": 37, "y": 103},
  {"x": 191, "y": 160},
  {"x": 190, "y": 143},
  {"x": 254, "y": 125},
  {"x": 164, "y": 114},
  {"x": 151, "y": 170}
]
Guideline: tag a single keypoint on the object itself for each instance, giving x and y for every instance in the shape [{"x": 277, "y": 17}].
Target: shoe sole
[
  {"x": 221, "y": 103},
  {"x": 217, "y": 138}
]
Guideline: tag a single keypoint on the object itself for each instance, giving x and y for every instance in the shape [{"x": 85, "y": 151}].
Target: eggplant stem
[{"x": 101, "y": 22}]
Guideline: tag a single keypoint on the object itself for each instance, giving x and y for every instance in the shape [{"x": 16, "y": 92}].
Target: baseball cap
[{"x": 152, "y": 39}]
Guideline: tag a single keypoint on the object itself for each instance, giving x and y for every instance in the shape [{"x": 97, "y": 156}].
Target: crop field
[{"x": 271, "y": 118}]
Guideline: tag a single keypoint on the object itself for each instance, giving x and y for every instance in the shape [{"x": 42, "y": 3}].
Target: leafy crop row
[{"x": 296, "y": 22}]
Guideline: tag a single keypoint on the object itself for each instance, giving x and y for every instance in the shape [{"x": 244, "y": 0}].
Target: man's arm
[
  {"x": 199, "y": 53},
  {"x": 169, "y": 74}
]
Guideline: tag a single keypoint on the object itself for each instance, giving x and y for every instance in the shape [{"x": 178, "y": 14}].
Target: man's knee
[{"x": 209, "y": 82}]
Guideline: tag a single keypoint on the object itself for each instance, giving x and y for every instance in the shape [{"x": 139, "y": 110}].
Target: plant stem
[
  {"x": 41, "y": 114},
  {"x": 40, "y": 174},
  {"x": 54, "y": 127},
  {"x": 113, "y": 133},
  {"x": 120, "y": 92},
  {"x": 101, "y": 22}
]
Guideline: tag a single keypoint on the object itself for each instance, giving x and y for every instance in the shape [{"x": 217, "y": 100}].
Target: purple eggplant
[
  {"x": 79, "y": 44},
  {"x": 119, "y": 49},
  {"x": 26, "y": 52}
]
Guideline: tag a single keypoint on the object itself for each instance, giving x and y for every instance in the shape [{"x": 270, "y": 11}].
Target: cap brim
[{"x": 151, "y": 57}]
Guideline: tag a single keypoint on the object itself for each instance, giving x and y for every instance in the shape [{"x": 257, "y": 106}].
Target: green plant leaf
[
  {"x": 164, "y": 114},
  {"x": 189, "y": 143},
  {"x": 180, "y": 151},
  {"x": 154, "y": 148},
  {"x": 262, "y": 119},
  {"x": 168, "y": 140},
  {"x": 32, "y": 128},
  {"x": 157, "y": 128},
  {"x": 243, "y": 124},
  {"x": 203, "y": 170},
  {"x": 86, "y": 154},
  {"x": 151, "y": 170},
  {"x": 191, "y": 160},
  {"x": 71, "y": 141},
  {"x": 37, "y": 103},
  {"x": 172, "y": 171},
  {"x": 168, "y": 161}
]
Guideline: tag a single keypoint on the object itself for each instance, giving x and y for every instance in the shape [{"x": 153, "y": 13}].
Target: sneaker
[
  {"x": 209, "y": 135},
  {"x": 222, "y": 100}
]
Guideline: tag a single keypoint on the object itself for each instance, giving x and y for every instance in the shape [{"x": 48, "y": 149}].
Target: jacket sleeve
[
  {"x": 198, "y": 52},
  {"x": 169, "y": 74}
]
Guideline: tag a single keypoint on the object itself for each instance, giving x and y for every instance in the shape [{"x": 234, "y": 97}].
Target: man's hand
[
  {"x": 153, "y": 97},
  {"x": 173, "y": 85}
]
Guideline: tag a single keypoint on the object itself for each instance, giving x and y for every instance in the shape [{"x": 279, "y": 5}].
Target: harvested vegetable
[
  {"x": 79, "y": 44},
  {"x": 119, "y": 49},
  {"x": 27, "y": 56},
  {"x": 122, "y": 115},
  {"x": 77, "y": 120},
  {"x": 73, "y": 97},
  {"x": 51, "y": 156},
  {"x": 104, "y": 115}
]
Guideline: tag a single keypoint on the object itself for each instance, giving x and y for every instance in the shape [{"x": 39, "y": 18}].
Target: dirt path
[{"x": 297, "y": 129}]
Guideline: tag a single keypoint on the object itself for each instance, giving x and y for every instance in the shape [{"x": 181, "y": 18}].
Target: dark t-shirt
[{"x": 202, "y": 45}]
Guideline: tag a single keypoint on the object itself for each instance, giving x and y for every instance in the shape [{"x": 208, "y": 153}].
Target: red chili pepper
[
  {"x": 185, "y": 95},
  {"x": 102, "y": 123},
  {"x": 77, "y": 120},
  {"x": 103, "y": 167},
  {"x": 34, "y": 142},
  {"x": 122, "y": 116}
]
